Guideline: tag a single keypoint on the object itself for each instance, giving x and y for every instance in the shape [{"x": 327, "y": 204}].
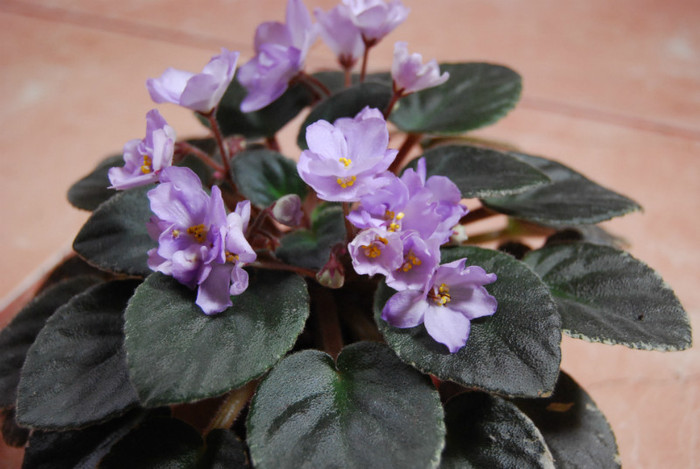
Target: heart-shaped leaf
[
  {"x": 571, "y": 198},
  {"x": 370, "y": 410},
  {"x": 480, "y": 172},
  {"x": 78, "y": 449},
  {"x": 476, "y": 95},
  {"x": 263, "y": 176},
  {"x": 265, "y": 122},
  {"x": 575, "y": 430},
  {"x": 178, "y": 354},
  {"x": 606, "y": 295},
  {"x": 19, "y": 335},
  {"x": 515, "y": 352},
  {"x": 115, "y": 237},
  {"x": 311, "y": 248},
  {"x": 75, "y": 372},
  {"x": 488, "y": 431},
  {"x": 90, "y": 191},
  {"x": 346, "y": 103}
]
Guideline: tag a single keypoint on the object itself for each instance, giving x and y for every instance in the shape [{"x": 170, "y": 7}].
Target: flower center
[
  {"x": 440, "y": 295},
  {"x": 147, "y": 166},
  {"x": 346, "y": 181},
  {"x": 198, "y": 232},
  {"x": 231, "y": 257},
  {"x": 374, "y": 249},
  {"x": 394, "y": 218},
  {"x": 410, "y": 260},
  {"x": 346, "y": 161}
]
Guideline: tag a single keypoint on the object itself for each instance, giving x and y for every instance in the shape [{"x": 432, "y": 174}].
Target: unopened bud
[
  {"x": 287, "y": 210},
  {"x": 332, "y": 275}
]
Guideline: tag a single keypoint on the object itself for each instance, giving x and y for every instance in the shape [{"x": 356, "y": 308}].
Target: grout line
[
  {"x": 174, "y": 36},
  {"x": 602, "y": 116}
]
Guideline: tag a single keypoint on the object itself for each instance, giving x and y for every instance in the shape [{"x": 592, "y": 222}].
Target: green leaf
[
  {"x": 476, "y": 95},
  {"x": 78, "y": 449},
  {"x": 90, "y": 191},
  {"x": 346, "y": 103},
  {"x": 311, "y": 248},
  {"x": 178, "y": 354},
  {"x": 575, "y": 430},
  {"x": 370, "y": 410},
  {"x": 515, "y": 352},
  {"x": 224, "y": 451},
  {"x": 480, "y": 172},
  {"x": 263, "y": 176},
  {"x": 20, "y": 333},
  {"x": 571, "y": 199},
  {"x": 488, "y": 431},
  {"x": 265, "y": 122},
  {"x": 606, "y": 295},
  {"x": 115, "y": 237},
  {"x": 75, "y": 372}
]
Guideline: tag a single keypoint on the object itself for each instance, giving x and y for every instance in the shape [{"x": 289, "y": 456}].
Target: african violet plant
[{"x": 242, "y": 309}]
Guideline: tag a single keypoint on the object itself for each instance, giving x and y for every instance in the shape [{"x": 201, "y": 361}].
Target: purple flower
[
  {"x": 375, "y": 18},
  {"x": 197, "y": 243},
  {"x": 376, "y": 251},
  {"x": 430, "y": 207},
  {"x": 280, "y": 53},
  {"x": 340, "y": 33},
  {"x": 144, "y": 159},
  {"x": 409, "y": 73},
  {"x": 199, "y": 92},
  {"x": 348, "y": 159},
  {"x": 419, "y": 260},
  {"x": 446, "y": 305}
]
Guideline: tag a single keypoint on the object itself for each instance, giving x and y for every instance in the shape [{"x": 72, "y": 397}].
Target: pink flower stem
[
  {"x": 185, "y": 148},
  {"x": 211, "y": 117},
  {"x": 411, "y": 140},
  {"x": 315, "y": 82},
  {"x": 398, "y": 94},
  {"x": 368, "y": 45}
]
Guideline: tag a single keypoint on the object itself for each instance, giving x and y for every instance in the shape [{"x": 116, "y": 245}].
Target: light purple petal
[
  {"x": 405, "y": 309},
  {"x": 239, "y": 281},
  {"x": 213, "y": 294},
  {"x": 169, "y": 86},
  {"x": 447, "y": 327}
]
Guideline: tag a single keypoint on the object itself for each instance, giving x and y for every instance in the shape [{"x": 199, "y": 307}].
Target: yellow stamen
[
  {"x": 346, "y": 182},
  {"x": 374, "y": 250},
  {"x": 231, "y": 257},
  {"x": 393, "y": 226},
  {"x": 198, "y": 232},
  {"x": 410, "y": 261},
  {"x": 345, "y": 161},
  {"x": 442, "y": 296},
  {"x": 147, "y": 166},
  {"x": 176, "y": 233}
]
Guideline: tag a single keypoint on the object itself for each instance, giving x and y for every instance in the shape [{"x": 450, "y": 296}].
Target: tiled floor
[{"x": 610, "y": 88}]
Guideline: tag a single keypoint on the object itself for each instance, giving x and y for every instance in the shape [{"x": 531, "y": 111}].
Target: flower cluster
[{"x": 400, "y": 222}]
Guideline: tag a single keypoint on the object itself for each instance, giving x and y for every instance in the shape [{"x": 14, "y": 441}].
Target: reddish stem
[
  {"x": 185, "y": 148},
  {"x": 211, "y": 117},
  {"x": 368, "y": 45},
  {"x": 398, "y": 94},
  {"x": 315, "y": 82},
  {"x": 411, "y": 139}
]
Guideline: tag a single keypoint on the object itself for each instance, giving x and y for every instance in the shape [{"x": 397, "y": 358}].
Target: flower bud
[
  {"x": 287, "y": 210},
  {"x": 332, "y": 275}
]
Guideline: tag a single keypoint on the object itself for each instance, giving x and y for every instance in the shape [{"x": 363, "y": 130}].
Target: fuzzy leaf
[
  {"x": 488, "y": 431},
  {"x": 75, "y": 372},
  {"x": 311, "y": 248},
  {"x": 481, "y": 172},
  {"x": 224, "y": 451},
  {"x": 575, "y": 430},
  {"x": 20, "y": 333},
  {"x": 78, "y": 449},
  {"x": 476, "y": 95},
  {"x": 571, "y": 198},
  {"x": 606, "y": 295},
  {"x": 115, "y": 237},
  {"x": 346, "y": 103},
  {"x": 265, "y": 122},
  {"x": 90, "y": 191},
  {"x": 369, "y": 410},
  {"x": 263, "y": 176},
  {"x": 178, "y": 354},
  {"x": 515, "y": 352}
]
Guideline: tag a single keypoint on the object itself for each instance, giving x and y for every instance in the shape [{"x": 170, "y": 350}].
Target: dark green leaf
[
  {"x": 515, "y": 352},
  {"x": 571, "y": 199},
  {"x": 311, "y": 248},
  {"x": 265, "y": 122},
  {"x": 18, "y": 336},
  {"x": 346, "y": 103},
  {"x": 115, "y": 237},
  {"x": 90, "y": 191},
  {"x": 480, "y": 172},
  {"x": 224, "y": 451},
  {"x": 75, "y": 372},
  {"x": 487, "y": 431},
  {"x": 585, "y": 234},
  {"x": 476, "y": 95},
  {"x": 157, "y": 443},
  {"x": 77, "y": 449},
  {"x": 576, "y": 432},
  {"x": 606, "y": 295},
  {"x": 178, "y": 354},
  {"x": 370, "y": 410},
  {"x": 263, "y": 176}
]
